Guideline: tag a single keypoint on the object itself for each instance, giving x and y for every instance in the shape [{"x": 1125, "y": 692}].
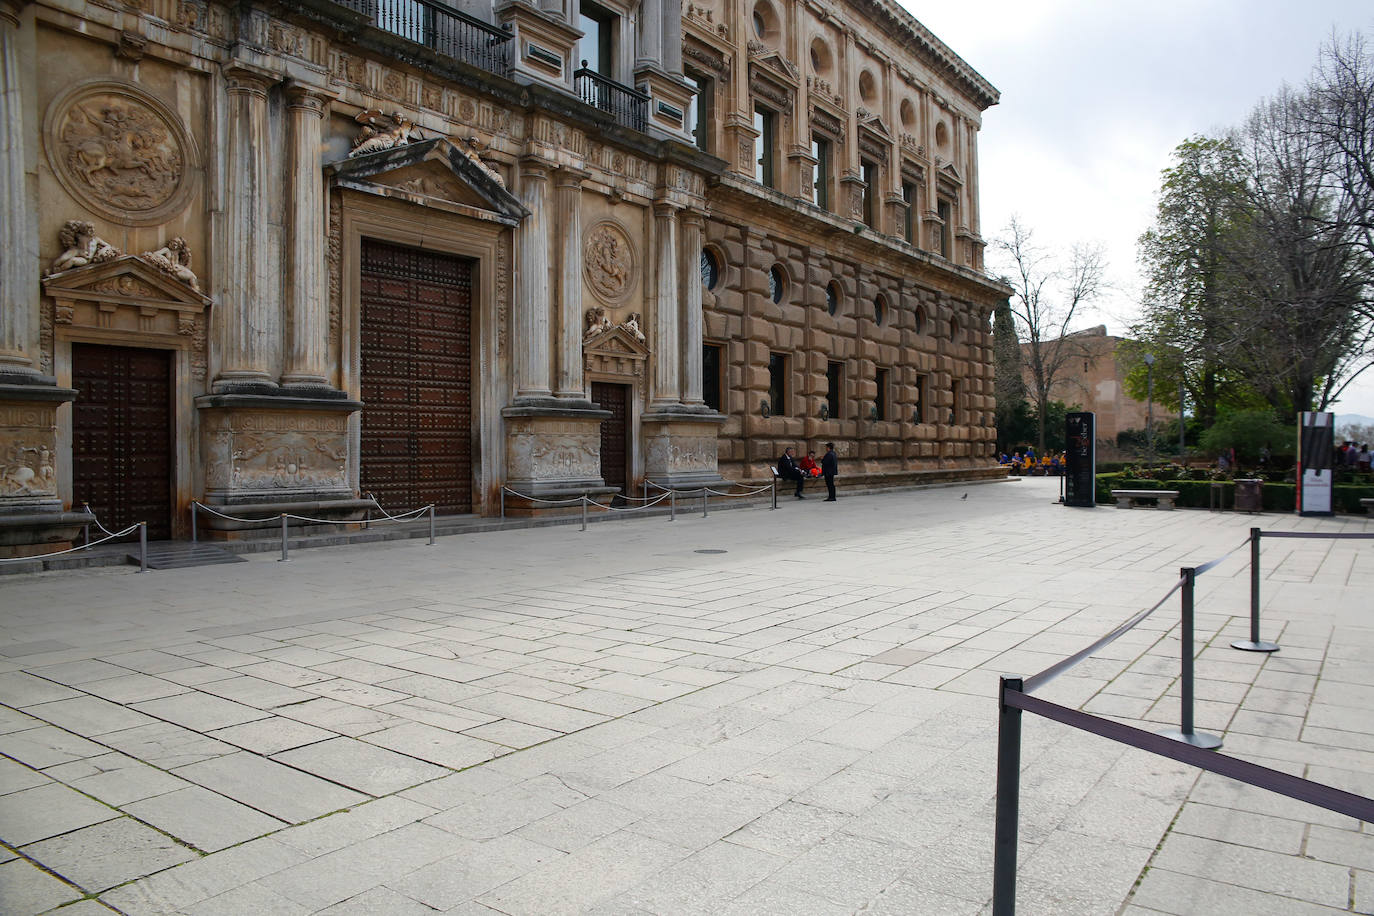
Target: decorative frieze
[{"x": 261, "y": 452}]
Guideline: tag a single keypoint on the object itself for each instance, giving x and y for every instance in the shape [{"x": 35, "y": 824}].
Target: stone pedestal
[
  {"x": 552, "y": 453},
  {"x": 265, "y": 455},
  {"x": 680, "y": 447},
  {"x": 32, "y": 519}
]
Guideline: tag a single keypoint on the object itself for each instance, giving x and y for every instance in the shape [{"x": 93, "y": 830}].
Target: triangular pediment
[
  {"x": 437, "y": 172},
  {"x": 950, "y": 173},
  {"x": 780, "y": 65},
  {"x": 876, "y": 124},
  {"x": 127, "y": 278},
  {"x": 616, "y": 341}
]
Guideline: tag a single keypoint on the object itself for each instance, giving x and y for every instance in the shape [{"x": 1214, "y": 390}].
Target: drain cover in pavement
[{"x": 711, "y": 550}]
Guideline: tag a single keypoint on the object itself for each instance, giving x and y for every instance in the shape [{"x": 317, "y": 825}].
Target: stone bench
[{"x": 1126, "y": 499}]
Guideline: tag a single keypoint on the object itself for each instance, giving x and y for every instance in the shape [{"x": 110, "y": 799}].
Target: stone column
[
  {"x": 568, "y": 183},
  {"x": 249, "y": 312},
  {"x": 18, "y": 280},
  {"x": 651, "y": 33},
  {"x": 306, "y": 361},
  {"x": 530, "y": 323},
  {"x": 690, "y": 347},
  {"x": 667, "y": 355}
]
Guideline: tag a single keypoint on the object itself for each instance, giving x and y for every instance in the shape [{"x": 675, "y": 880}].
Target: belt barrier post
[
  {"x": 431, "y": 525},
  {"x": 775, "y": 493},
  {"x": 584, "y": 511},
  {"x": 1186, "y": 733},
  {"x": 142, "y": 546},
  {"x": 195, "y": 536},
  {"x": 1254, "y": 643},
  {"x": 1008, "y": 802},
  {"x": 703, "y": 502},
  {"x": 86, "y": 528},
  {"x": 367, "y": 518},
  {"x": 672, "y": 505},
  {"x": 284, "y": 557}
]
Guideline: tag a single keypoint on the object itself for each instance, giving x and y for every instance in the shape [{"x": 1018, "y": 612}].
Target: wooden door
[
  {"x": 122, "y": 436},
  {"x": 615, "y": 451},
  {"x": 416, "y": 378}
]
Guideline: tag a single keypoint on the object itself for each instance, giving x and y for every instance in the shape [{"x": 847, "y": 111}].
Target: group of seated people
[{"x": 1049, "y": 465}]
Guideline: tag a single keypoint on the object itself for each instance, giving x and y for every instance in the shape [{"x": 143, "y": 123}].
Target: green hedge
[{"x": 1194, "y": 494}]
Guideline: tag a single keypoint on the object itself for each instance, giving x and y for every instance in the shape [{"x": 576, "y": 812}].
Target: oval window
[
  {"x": 879, "y": 310},
  {"x": 832, "y": 297},
  {"x": 710, "y": 269},
  {"x": 775, "y": 284}
]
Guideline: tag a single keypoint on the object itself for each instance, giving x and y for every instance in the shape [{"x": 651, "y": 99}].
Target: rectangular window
[
  {"x": 710, "y": 375},
  {"x": 765, "y": 146},
  {"x": 945, "y": 210},
  {"x": 870, "y": 177},
  {"x": 920, "y": 414},
  {"x": 910, "y": 221},
  {"x": 820, "y": 148},
  {"x": 834, "y": 383},
  {"x": 880, "y": 397},
  {"x": 594, "y": 48},
  {"x": 699, "y": 111},
  {"x": 777, "y": 384}
]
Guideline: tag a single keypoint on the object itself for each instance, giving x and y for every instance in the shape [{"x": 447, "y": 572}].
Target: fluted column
[
  {"x": 690, "y": 345},
  {"x": 250, "y": 306},
  {"x": 568, "y": 183},
  {"x": 18, "y": 245},
  {"x": 307, "y": 360},
  {"x": 667, "y": 355},
  {"x": 530, "y": 348}
]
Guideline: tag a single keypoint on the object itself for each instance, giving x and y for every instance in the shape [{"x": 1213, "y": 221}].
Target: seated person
[
  {"x": 788, "y": 470},
  {"x": 808, "y": 465}
]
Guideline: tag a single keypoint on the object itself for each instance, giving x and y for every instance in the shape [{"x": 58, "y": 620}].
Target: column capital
[
  {"x": 568, "y": 176},
  {"x": 693, "y": 218},
  {"x": 10, "y": 10},
  {"x": 245, "y": 78},
  {"x": 535, "y": 167},
  {"x": 303, "y": 97},
  {"x": 667, "y": 208}
]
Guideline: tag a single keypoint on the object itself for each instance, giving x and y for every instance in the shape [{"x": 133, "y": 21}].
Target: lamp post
[{"x": 1150, "y": 403}]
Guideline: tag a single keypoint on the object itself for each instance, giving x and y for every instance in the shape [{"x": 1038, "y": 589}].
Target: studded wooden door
[
  {"x": 416, "y": 378},
  {"x": 122, "y": 436},
  {"x": 614, "y": 432}
]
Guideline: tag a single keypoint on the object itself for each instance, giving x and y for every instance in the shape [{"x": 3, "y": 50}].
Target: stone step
[{"x": 180, "y": 554}]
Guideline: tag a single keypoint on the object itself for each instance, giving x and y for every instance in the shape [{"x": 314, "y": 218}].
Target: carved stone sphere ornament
[
  {"x": 609, "y": 261},
  {"x": 120, "y": 151}
]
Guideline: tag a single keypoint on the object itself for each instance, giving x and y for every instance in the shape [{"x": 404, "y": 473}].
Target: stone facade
[{"x": 214, "y": 184}]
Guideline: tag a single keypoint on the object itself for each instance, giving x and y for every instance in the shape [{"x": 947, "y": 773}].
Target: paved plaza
[{"x": 761, "y": 712}]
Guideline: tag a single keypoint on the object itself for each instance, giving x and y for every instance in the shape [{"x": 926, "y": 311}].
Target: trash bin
[{"x": 1249, "y": 495}]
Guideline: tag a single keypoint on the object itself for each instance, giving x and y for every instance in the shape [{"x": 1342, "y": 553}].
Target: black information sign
[{"x": 1080, "y": 471}]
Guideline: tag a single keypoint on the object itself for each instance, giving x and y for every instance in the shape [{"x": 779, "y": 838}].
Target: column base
[
  {"x": 32, "y": 519},
  {"x": 553, "y": 454},
  {"x": 680, "y": 446}
]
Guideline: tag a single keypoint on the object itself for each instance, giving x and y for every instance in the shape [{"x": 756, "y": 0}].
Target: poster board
[
  {"x": 1316, "y": 442},
  {"x": 1080, "y": 466}
]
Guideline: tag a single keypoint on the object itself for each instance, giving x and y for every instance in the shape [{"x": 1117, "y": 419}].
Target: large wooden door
[
  {"x": 614, "y": 432},
  {"x": 122, "y": 436},
  {"x": 416, "y": 378}
]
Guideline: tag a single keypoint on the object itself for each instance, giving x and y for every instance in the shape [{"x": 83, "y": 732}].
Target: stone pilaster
[
  {"x": 690, "y": 346},
  {"x": 249, "y": 306},
  {"x": 307, "y": 358},
  {"x": 18, "y": 233},
  {"x": 530, "y": 322},
  {"x": 568, "y": 183},
  {"x": 667, "y": 356}
]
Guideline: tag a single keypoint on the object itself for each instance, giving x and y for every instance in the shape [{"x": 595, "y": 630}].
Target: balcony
[
  {"x": 442, "y": 29},
  {"x": 629, "y": 107}
]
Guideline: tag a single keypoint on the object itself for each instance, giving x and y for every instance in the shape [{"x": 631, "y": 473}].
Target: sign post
[{"x": 1080, "y": 466}]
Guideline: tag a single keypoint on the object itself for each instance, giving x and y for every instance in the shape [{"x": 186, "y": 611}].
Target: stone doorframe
[
  {"x": 128, "y": 303},
  {"x": 617, "y": 356},
  {"x": 488, "y": 244}
]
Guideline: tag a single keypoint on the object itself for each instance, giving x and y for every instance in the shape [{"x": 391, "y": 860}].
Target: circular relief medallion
[
  {"x": 608, "y": 261},
  {"x": 119, "y": 151}
]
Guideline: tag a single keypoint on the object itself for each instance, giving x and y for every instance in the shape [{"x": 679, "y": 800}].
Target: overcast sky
[{"x": 1095, "y": 96}]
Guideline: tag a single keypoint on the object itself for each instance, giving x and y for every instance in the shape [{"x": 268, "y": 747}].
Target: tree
[
  {"x": 1047, "y": 294},
  {"x": 1009, "y": 388},
  {"x": 1341, "y": 115}
]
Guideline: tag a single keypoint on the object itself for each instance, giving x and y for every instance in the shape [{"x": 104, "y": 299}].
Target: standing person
[
  {"x": 830, "y": 466},
  {"x": 788, "y": 470}
]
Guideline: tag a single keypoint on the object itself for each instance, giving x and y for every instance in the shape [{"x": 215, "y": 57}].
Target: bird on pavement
[{"x": 965, "y": 496}]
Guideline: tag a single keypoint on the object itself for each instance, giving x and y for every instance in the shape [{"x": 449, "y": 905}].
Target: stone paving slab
[{"x": 547, "y": 721}]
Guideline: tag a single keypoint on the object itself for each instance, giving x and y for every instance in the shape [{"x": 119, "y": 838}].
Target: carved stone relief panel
[
  {"x": 548, "y": 450},
  {"x": 28, "y": 444},
  {"x": 119, "y": 151},
  {"x": 609, "y": 261},
  {"x": 274, "y": 452}
]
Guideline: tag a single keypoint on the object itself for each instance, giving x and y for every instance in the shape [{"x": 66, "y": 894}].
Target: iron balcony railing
[
  {"x": 629, "y": 107},
  {"x": 441, "y": 28}
]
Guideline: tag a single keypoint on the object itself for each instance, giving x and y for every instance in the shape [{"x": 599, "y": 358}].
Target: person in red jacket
[{"x": 808, "y": 465}]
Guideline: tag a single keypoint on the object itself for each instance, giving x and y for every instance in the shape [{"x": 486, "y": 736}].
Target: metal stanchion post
[
  {"x": 775, "y": 494},
  {"x": 1254, "y": 643},
  {"x": 367, "y": 518},
  {"x": 584, "y": 511},
  {"x": 431, "y": 525},
  {"x": 284, "y": 557},
  {"x": 195, "y": 533},
  {"x": 1008, "y": 803},
  {"x": 1186, "y": 733},
  {"x": 142, "y": 546},
  {"x": 703, "y": 502},
  {"x": 503, "y": 504},
  {"x": 672, "y": 505}
]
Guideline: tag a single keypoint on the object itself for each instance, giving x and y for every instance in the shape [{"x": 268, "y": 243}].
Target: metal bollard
[
  {"x": 142, "y": 546},
  {"x": 1008, "y": 810},
  {"x": 284, "y": 557},
  {"x": 195, "y": 533},
  {"x": 672, "y": 505},
  {"x": 584, "y": 511},
  {"x": 367, "y": 518},
  {"x": 1254, "y": 643},
  {"x": 431, "y": 525},
  {"x": 503, "y": 504},
  {"x": 775, "y": 494},
  {"x": 703, "y": 502},
  {"x": 1186, "y": 732}
]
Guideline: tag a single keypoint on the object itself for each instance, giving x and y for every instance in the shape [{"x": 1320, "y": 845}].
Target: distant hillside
[{"x": 1353, "y": 419}]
